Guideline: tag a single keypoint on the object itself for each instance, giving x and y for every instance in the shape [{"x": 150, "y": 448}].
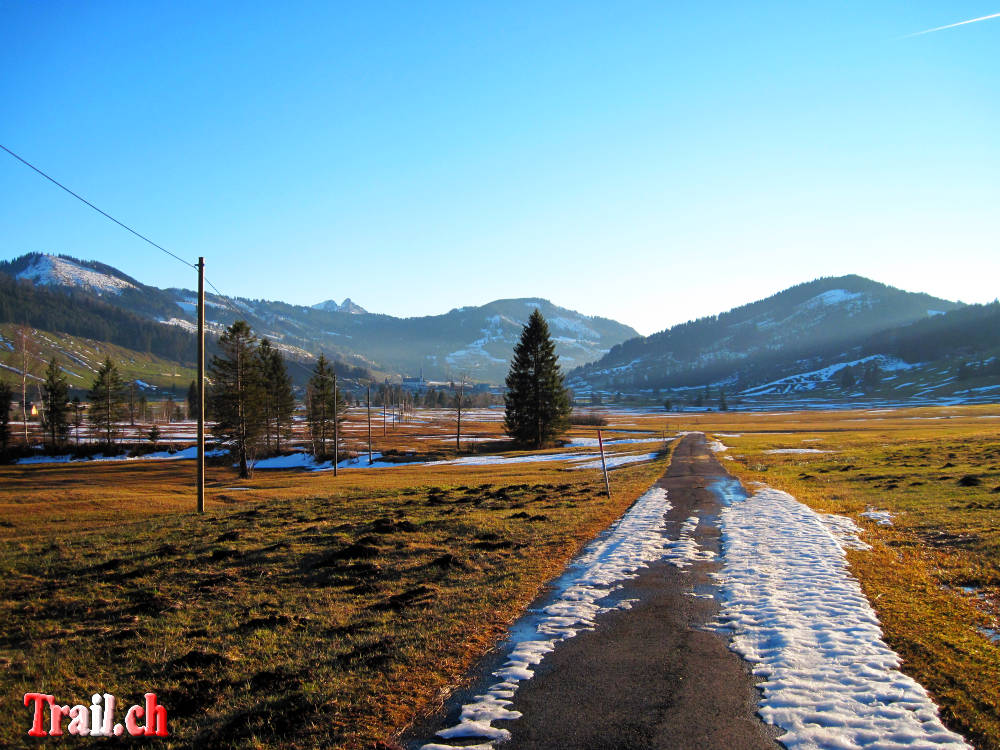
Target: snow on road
[
  {"x": 635, "y": 541},
  {"x": 799, "y": 616}
]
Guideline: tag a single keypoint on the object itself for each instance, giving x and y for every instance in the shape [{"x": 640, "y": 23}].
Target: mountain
[
  {"x": 348, "y": 306},
  {"x": 802, "y": 331},
  {"x": 73, "y": 296},
  {"x": 50, "y": 270}
]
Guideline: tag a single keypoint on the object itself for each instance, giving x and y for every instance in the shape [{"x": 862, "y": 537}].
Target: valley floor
[{"x": 305, "y": 609}]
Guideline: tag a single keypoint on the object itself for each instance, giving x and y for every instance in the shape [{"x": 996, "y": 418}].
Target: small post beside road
[
  {"x": 604, "y": 464},
  {"x": 200, "y": 461}
]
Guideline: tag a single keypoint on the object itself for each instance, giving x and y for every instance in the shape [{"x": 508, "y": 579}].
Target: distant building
[{"x": 415, "y": 385}]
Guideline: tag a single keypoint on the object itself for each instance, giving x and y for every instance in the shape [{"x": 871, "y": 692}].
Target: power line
[
  {"x": 236, "y": 308},
  {"x": 102, "y": 213},
  {"x": 228, "y": 300}
]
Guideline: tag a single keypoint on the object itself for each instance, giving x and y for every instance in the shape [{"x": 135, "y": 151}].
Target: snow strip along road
[
  {"x": 633, "y": 542},
  {"x": 799, "y": 616},
  {"x": 750, "y": 587}
]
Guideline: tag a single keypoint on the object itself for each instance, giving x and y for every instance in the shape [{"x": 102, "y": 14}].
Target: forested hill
[
  {"x": 803, "y": 326},
  {"x": 475, "y": 342},
  {"x": 79, "y": 313},
  {"x": 971, "y": 332}
]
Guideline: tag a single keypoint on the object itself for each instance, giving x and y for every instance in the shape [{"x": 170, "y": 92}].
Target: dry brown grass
[{"x": 309, "y": 610}]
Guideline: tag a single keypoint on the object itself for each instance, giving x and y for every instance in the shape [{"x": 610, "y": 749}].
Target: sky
[{"x": 646, "y": 162}]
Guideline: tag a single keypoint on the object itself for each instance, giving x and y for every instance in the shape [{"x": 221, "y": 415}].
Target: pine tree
[
  {"x": 279, "y": 401},
  {"x": 192, "y": 400},
  {"x": 55, "y": 398},
  {"x": 537, "y": 403},
  {"x": 323, "y": 401},
  {"x": 236, "y": 394},
  {"x": 846, "y": 377},
  {"x": 107, "y": 398}
]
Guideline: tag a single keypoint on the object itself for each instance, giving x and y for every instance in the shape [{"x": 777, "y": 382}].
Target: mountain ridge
[{"x": 474, "y": 341}]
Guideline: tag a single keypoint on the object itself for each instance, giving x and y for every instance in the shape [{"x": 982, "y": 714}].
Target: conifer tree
[
  {"x": 236, "y": 394},
  {"x": 107, "y": 399},
  {"x": 278, "y": 399},
  {"x": 323, "y": 401},
  {"x": 192, "y": 399},
  {"x": 537, "y": 403},
  {"x": 55, "y": 396}
]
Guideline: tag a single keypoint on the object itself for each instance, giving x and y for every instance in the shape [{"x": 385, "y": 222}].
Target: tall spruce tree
[
  {"x": 55, "y": 401},
  {"x": 537, "y": 402},
  {"x": 323, "y": 401},
  {"x": 107, "y": 402},
  {"x": 279, "y": 401},
  {"x": 192, "y": 400},
  {"x": 236, "y": 395}
]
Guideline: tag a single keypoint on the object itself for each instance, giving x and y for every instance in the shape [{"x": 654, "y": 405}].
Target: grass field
[
  {"x": 305, "y": 610},
  {"x": 308, "y": 610},
  {"x": 933, "y": 576},
  {"x": 80, "y": 359}
]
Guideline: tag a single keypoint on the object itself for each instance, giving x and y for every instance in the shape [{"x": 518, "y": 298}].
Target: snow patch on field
[
  {"x": 634, "y": 542},
  {"x": 799, "y": 616},
  {"x": 187, "y": 453},
  {"x": 810, "y": 381},
  {"x": 881, "y": 517},
  {"x": 615, "y": 461},
  {"x": 593, "y": 442},
  {"x": 796, "y": 450}
]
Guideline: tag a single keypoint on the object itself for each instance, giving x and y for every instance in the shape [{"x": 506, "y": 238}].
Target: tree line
[{"x": 252, "y": 403}]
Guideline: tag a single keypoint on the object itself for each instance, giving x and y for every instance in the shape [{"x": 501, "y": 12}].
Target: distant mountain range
[
  {"x": 794, "y": 347},
  {"x": 829, "y": 341},
  {"x": 472, "y": 341}
]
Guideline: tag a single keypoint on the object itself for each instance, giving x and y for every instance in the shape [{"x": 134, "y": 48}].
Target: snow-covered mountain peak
[
  {"x": 54, "y": 271},
  {"x": 347, "y": 306}
]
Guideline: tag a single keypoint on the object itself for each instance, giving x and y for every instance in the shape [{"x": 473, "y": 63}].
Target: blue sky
[{"x": 648, "y": 162}]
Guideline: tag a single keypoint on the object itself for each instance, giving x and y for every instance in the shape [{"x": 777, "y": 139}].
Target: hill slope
[
  {"x": 473, "y": 341},
  {"x": 797, "y": 342}
]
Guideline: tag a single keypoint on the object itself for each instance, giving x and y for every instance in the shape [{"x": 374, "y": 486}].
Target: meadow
[
  {"x": 302, "y": 609},
  {"x": 309, "y": 610}
]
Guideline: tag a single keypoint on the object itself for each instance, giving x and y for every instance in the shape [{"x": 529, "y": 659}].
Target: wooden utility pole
[
  {"x": 200, "y": 460},
  {"x": 369, "y": 424},
  {"x": 336, "y": 427},
  {"x": 604, "y": 464}
]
